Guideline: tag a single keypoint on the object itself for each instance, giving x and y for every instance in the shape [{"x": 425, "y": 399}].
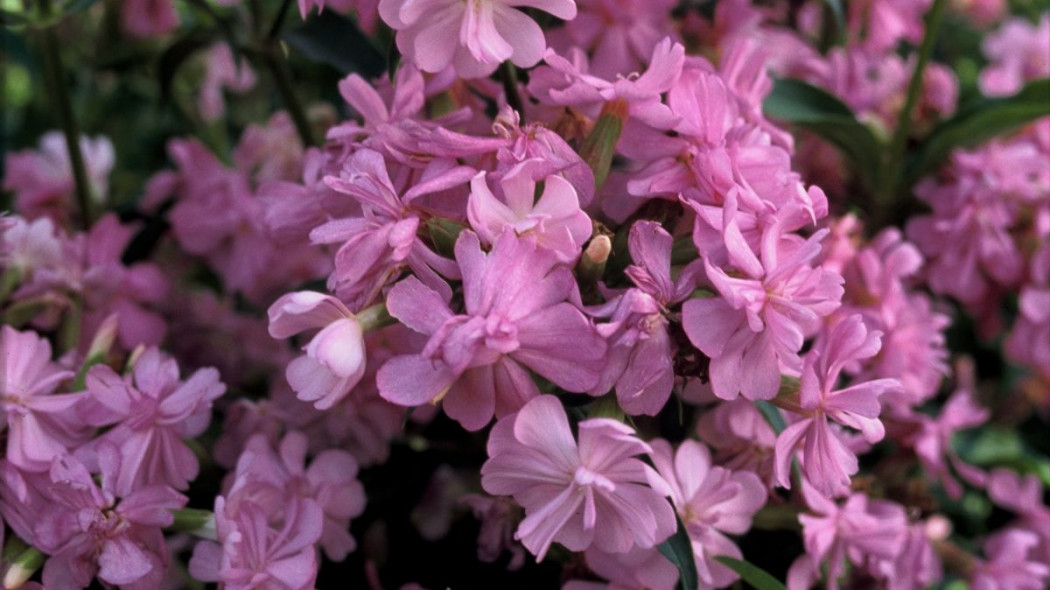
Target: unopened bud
[
  {"x": 592, "y": 263},
  {"x": 22, "y": 568}
]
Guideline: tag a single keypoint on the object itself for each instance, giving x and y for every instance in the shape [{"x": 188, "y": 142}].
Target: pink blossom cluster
[{"x": 548, "y": 269}]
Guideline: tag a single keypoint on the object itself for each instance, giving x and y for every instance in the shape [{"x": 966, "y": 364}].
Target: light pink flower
[
  {"x": 335, "y": 357},
  {"x": 619, "y": 35},
  {"x": 1008, "y": 565},
  {"x": 222, "y": 73},
  {"x": 555, "y": 219},
  {"x": 517, "y": 315},
  {"x": 87, "y": 531},
  {"x": 858, "y": 530},
  {"x": 42, "y": 179},
  {"x": 757, "y": 326},
  {"x": 711, "y": 501},
  {"x": 591, "y": 494},
  {"x": 252, "y": 554},
  {"x": 271, "y": 480},
  {"x": 826, "y": 460},
  {"x": 1019, "y": 51},
  {"x": 151, "y": 411},
  {"x": 37, "y": 431},
  {"x": 474, "y": 36}
]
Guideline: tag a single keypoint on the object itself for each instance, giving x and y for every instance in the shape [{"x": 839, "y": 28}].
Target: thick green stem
[
  {"x": 63, "y": 104},
  {"x": 887, "y": 195}
]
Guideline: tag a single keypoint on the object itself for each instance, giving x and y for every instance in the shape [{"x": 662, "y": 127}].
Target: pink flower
[
  {"x": 270, "y": 480},
  {"x": 87, "y": 531},
  {"x": 758, "y": 325},
  {"x": 638, "y": 569},
  {"x": 932, "y": 438},
  {"x": 335, "y": 357},
  {"x": 827, "y": 462},
  {"x": 37, "y": 430},
  {"x": 375, "y": 245},
  {"x": 42, "y": 179},
  {"x": 1024, "y": 497},
  {"x": 711, "y": 501},
  {"x": 555, "y": 219},
  {"x": 252, "y": 554},
  {"x": 1008, "y": 566},
  {"x": 591, "y": 494},
  {"x": 498, "y": 517},
  {"x": 474, "y": 37},
  {"x": 149, "y": 18},
  {"x": 619, "y": 35},
  {"x": 222, "y": 73},
  {"x": 517, "y": 315},
  {"x": 858, "y": 530},
  {"x": 1019, "y": 51},
  {"x": 152, "y": 411}
]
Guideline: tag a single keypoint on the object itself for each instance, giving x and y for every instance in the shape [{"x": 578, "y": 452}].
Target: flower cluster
[{"x": 555, "y": 269}]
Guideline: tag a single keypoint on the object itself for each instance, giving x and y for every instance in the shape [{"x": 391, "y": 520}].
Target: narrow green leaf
[
  {"x": 757, "y": 578},
  {"x": 599, "y": 147},
  {"x": 337, "y": 41},
  {"x": 815, "y": 110},
  {"x": 772, "y": 415},
  {"x": 679, "y": 551},
  {"x": 980, "y": 122}
]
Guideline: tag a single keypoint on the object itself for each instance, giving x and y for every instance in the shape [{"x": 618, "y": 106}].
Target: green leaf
[
  {"x": 679, "y": 551},
  {"x": 757, "y": 578},
  {"x": 12, "y": 19},
  {"x": 75, "y": 6},
  {"x": 815, "y": 110},
  {"x": 999, "y": 447},
  {"x": 980, "y": 122},
  {"x": 337, "y": 41}
]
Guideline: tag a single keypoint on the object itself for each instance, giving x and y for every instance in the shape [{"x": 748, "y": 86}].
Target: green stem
[
  {"x": 509, "y": 77},
  {"x": 55, "y": 77},
  {"x": 375, "y": 317},
  {"x": 278, "y": 21},
  {"x": 195, "y": 521},
  {"x": 283, "y": 78},
  {"x": 895, "y": 156}
]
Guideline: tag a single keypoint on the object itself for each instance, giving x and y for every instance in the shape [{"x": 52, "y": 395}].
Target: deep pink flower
[
  {"x": 711, "y": 501},
  {"x": 498, "y": 516},
  {"x": 638, "y": 569},
  {"x": 516, "y": 316},
  {"x": 1024, "y": 497},
  {"x": 474, "y": 37},
  {"x": 591, "y": 494},
  {"x": 37, "y": 431},
  {"x": 151, "y": 411},
  {"x": 826, "y": 460}
]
